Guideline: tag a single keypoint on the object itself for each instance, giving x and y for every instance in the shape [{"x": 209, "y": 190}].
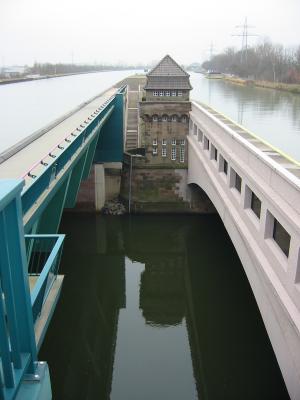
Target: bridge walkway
[
  {"x": 275, "y": 154},
  {"x": 30, "y": 155},
  {"x": 256, "y": 191}
]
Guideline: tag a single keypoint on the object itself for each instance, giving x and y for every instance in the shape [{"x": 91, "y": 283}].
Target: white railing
[
  {"x": 275, "y": 187},
  {"x": 258, "y": 200}
]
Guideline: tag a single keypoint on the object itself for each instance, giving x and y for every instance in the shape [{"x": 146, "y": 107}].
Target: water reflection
[
  {"x": 271, "y": 114},
  {"x": 150, "y": 310}
]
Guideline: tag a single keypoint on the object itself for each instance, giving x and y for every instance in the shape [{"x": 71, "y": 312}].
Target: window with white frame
[
  {"x": 173, "y": 142},
  {"x": 181, "y": 154},
  {"x": 235, "y": 180},
  {"x": 155, "y": 118},
  {"x": 154, "y": 142},
  {"x": 281, "y": 237},
  {"x": 214, "y": 153},
  {"x": 155, "y": 93},
  {"x": 255, "y": 204},
  {"x": 179, "y": 93},
  {"x": 154, "y": 150},
  {"x": 164, "y": 118},
  {"x": 174, "y": 118},
  {"x": 183, "y": 119},
  {"x": 174, "y": 93},
  {"x": 206, "y": 143},
  {"x": 164, "y": 152},
  {"x": 173, "y": 154},
  {"x": 182, "y": 142},
  {"x": 200, "y": 135},
  {"x": 223, "y": 165},
  {"x": 161, "y": 92},
  {"x": 164, "y": 142},
  {"x": 168, "y": 93}
]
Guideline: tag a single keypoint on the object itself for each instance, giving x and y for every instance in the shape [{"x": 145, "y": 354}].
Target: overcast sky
[{"x": 134, "y": 31}]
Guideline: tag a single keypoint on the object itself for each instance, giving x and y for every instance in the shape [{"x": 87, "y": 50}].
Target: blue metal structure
[
  {"x": 29, "y": 263},
  {"x": 18, "y": 308},
  {"x": 99, "y": 139}
]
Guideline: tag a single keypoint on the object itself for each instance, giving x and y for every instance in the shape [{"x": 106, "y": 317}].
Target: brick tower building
[
  {"x": 154, "y": 177},
  {"x": 164, "y": 114}
]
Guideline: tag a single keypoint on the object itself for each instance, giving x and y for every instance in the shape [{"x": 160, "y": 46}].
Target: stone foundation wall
[
  {"x": 158, "y": 190},
  {"x": 86, "y": 195},
  {"x": 102, "y": 184}
]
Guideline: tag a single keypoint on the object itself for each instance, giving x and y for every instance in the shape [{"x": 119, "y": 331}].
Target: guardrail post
[{"x": 14, "y": 271}]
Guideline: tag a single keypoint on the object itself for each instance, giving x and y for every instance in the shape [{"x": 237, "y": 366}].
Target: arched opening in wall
[
  {"x": 184, "y": 118},
  {"x": 224, "y": 321},
  {"x": 199, "y": 200},
  {"x": 223, "y": 251}
]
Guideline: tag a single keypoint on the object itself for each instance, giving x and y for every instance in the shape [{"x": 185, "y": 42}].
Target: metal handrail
[
  {"x": 53, "y": 168},
  {"x": 77, "y": 132},
  {"x": 48, "y": 273}
]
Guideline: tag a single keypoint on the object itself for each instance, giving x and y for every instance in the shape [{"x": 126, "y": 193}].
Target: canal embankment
[
  {"x": 41, "y": 77},
  {"x": 287, "y": 87}
]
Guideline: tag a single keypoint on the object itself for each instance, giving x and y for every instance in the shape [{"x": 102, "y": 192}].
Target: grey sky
[{"x": 133, "y": 31}]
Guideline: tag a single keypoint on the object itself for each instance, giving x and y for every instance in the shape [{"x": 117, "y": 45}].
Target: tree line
[
  {"x": 264, "y": 61},
  {"x": 53, "y": 69}
]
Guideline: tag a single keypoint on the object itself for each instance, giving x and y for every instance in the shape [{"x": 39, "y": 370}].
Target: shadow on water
[{"x": 156, "y": 307}]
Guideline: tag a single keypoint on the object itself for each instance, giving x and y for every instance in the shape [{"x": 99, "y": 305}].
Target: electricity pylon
[{"x": 244, "y": 34}]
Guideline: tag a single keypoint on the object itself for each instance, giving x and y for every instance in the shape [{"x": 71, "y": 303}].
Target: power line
[{"x": 244, "y": 34}]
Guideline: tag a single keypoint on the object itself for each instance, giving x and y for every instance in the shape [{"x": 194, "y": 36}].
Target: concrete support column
[{"x": 99, "y": 186}]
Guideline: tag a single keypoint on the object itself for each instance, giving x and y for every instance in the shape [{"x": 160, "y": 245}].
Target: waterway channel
[
  {"x": 29, "y": 106},
  {"x": 156, "y": 307}
]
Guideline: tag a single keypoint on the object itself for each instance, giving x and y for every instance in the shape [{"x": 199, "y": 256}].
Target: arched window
[
  {"x": 174, "y": 118},
  {"x": 164, "y": 118},
  {"x": 183, "y": 119},
  {"x": 155, "y": 118}
]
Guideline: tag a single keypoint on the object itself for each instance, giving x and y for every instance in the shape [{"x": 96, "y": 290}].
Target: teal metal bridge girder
[
  {"x": 110, "y": 145},
  {"x": 22, "y": 311},
  {"x": 57, "y": 182},
  {"x": 32, "y": 205}
]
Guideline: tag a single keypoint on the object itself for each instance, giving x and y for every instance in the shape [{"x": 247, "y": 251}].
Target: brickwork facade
[{"x": 164, "y": 115}]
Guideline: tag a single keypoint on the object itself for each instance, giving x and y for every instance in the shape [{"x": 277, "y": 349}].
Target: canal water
[
  {"x": 26, "y": 107},
  {"x": 271, "y": 114},
  {"x": 156, "y": 307}
]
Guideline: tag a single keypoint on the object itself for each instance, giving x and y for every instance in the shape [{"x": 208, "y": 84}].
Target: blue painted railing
[
  {"x": 19, "y": 308},
  {"x": 43, "y": 253},
  {"x": 44, "y": 171},
  {"x": 56, "y": 158}
]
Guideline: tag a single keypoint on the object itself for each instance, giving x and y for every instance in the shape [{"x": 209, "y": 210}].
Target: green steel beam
[
  {"x": 50, "y": 219},
  {"x": 90, "y": 156},
  {"x": 14, "y": 275},
  {"x": 110, "y": 145},
  {"x": 75, "y": 180}
]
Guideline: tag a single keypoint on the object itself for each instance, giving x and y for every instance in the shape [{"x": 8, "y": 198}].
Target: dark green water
[{"x": 156, "y": 307}]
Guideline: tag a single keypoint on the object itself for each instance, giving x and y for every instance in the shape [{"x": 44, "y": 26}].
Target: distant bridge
[{"x": 256, "y": 191}]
